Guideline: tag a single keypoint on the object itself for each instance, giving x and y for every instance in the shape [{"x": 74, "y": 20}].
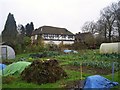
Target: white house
[{"x": 54, "y": 35}]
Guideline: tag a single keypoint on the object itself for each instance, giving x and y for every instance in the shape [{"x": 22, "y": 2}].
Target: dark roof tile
[{"x": 51, "y": 30}]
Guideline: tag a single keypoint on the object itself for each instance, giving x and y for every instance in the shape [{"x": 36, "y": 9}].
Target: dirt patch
[
  {"x": 75, "y": 84},
  {"x": 89, "y": 70}
]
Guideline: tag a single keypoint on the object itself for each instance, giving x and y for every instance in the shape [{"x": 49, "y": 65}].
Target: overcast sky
[{"x": 70, "y": 14}]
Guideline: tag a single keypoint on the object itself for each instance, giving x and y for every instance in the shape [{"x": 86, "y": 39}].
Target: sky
[{"x": 69, "y": 14}]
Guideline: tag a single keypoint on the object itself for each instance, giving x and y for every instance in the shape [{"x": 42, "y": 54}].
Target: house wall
[
  {"x": 57, "y": 37},
  {"x": 58, "y": 42}
]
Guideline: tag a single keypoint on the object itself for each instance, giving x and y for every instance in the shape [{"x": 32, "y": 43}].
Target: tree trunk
[
  {"x": 109, "y": 35},
  {"x": 118, "y": 25},
  {"x": 105, "y": 33},
  {"x": 119, "y": 34}
]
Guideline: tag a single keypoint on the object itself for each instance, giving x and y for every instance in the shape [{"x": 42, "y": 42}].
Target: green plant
[{"x": 8, "y": 79}]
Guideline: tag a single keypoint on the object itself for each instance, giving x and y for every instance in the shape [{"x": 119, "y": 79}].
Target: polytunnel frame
[{"x": 6, "y": 52}]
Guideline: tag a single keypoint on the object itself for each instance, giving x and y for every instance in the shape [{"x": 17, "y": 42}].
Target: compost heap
[{"x": 41, "y": 72}]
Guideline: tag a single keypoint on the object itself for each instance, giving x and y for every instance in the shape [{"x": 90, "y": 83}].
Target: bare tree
[
  {"x": 108, "y": 26},
  {"x": 108, "y": 15},
  {"x": 101, "y": 27},
  {"x": 117, "y": 16},
  {"x": 89, "y": 27}
]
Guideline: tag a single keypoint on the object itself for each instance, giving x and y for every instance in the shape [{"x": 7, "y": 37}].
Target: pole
[
  {"x": 81, "y": 71},
  {"x": 113, "y": 71},
  {"x": 2, "y": 69},
  {"x": 81, "y": 75}
]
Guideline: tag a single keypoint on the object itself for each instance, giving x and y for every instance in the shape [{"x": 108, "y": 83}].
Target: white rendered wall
[{"x": 58, "y": 42}]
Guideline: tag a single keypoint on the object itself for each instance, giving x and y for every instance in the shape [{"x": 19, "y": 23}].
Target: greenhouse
[
  {"x": 7, "y": 52},
  {"x": 109, "y": 48}
]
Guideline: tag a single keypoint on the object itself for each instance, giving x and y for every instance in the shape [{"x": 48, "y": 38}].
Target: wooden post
[
  {"x": 81, "y": 71},
  {"x": 80, "y": 76}
]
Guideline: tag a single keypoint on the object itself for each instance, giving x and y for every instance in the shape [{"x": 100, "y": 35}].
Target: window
[
  {"x": 70, "y": 36},
  {"x": 36, "y": 37},
  {"x": 63, "y": 36}
]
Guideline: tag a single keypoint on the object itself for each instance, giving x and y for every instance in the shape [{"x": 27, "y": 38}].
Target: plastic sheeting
[
  {"x": 97, "y": 81},
  {"x": 2, "y": 66},
  {"x": 109, "y": 48},
  {"x": 15, "y": 68},
  {"x": 69, "y": 51}
]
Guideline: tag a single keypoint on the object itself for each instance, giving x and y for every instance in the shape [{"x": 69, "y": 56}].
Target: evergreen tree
[
  {"x": 22, "y": 30},
  {"x": 29, "y": 29},
  {"x": 9, "y": 34}
]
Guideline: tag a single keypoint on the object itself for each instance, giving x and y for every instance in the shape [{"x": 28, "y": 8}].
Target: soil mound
[{"x": 43, "y": 72}]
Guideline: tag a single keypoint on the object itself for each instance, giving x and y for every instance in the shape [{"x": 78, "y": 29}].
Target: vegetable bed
[{"x": 92, "y": 63}]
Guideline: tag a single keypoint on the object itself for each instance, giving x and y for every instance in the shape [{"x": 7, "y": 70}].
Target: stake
[
  {"x": 81, "y": 71},
  {"x": 113, "y": 71},
  {"x": 81, "y": 75}
]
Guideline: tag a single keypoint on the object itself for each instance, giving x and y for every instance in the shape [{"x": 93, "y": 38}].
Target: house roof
[
  {"x": 51, "y": 30},
  {"x": 82, "y": 36}
]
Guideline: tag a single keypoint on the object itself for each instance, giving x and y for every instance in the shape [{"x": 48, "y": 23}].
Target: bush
[
  {"x": 52, "y": 47},
  {"x": 78, "y": 46}
]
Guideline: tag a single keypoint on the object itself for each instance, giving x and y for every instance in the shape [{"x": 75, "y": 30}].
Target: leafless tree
[
  {"x": 89, "y": 27},
  {"x": 102, "y": 28},
  {"x": 108, "y": 15},
  {"x": 108, "y": 25},
  {"x": 117, "y": 16}
]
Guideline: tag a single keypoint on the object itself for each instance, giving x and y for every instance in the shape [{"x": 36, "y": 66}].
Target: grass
[
  {"x": 18, "y": 83},
  {"x": 116, "y": 77},
  {"x": 72, "y": 76},
  {"x": 88, "y": 56}
]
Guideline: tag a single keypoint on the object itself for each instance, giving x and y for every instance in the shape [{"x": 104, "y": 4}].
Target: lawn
[{"x": 90, "y": 60}]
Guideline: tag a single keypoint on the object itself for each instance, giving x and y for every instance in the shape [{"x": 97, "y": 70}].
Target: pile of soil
[{"x": 43, "y": 72}]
